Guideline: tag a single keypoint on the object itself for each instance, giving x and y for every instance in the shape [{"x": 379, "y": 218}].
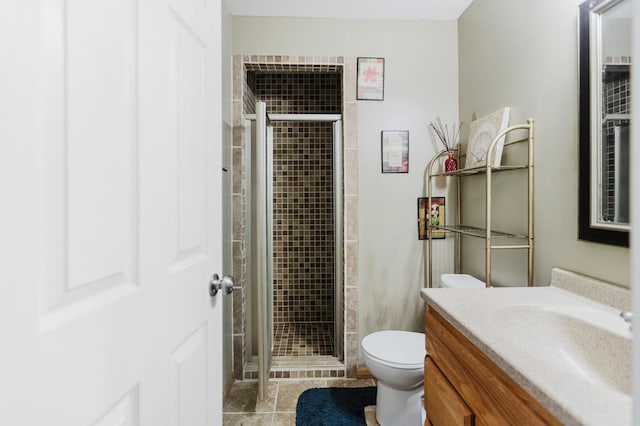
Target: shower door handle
[{"x": 225, "y": 284}]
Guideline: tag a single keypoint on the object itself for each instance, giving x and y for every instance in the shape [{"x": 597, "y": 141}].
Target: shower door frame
[
  {"x": 264, "y": 244},
  {"x": 264, "y": 361},
  {"x": 339, "y": 245}
]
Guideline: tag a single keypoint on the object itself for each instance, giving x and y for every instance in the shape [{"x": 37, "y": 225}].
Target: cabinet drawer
[{"x": 442, "y": 403}]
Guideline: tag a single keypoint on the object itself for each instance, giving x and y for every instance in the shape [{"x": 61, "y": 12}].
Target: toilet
[{"x": 396, "y": 359}]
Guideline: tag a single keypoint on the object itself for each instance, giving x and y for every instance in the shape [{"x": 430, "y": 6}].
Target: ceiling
[{"x": 351, "y": 9}]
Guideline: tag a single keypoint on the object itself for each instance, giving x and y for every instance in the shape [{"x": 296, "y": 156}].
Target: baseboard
[
  {"x": 227, "y": 386},
  {"x": 363, "y": 373}
]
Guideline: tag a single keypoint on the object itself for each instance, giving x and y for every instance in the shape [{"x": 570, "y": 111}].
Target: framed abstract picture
[
  {"x": 370, "y": 86},
  {"x": 395, "y": 151},
  {"x": 481, "y": 133}
]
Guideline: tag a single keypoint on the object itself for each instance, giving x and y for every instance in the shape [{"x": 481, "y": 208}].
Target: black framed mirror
[{"x": 604, "y": 56}]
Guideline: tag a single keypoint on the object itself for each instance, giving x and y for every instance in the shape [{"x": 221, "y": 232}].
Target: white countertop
[{"x": 527, "y": 351}]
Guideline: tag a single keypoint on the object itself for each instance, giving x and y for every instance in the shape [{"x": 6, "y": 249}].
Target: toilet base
[{"x": 396, "y": 407}]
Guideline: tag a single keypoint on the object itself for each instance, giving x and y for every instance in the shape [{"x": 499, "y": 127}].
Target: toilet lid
[{"x": 402, "y": 348}]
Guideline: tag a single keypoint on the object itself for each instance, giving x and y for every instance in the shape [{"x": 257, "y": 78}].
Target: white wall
[
  {"x": 421, "y": 82},
  {"x": 524, "y": 55}
]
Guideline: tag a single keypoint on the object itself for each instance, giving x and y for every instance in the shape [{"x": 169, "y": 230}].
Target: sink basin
[
  {"x": 592, "y": 344},
  {"x": 570, "y": 352}
]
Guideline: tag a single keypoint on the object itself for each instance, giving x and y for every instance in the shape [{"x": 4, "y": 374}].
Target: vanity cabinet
[
  {"x": 463, "y": 386},
  {"x": 494, "y": 240}
]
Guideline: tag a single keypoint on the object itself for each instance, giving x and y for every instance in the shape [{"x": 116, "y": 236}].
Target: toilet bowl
[{"x": 396, "y": 359}]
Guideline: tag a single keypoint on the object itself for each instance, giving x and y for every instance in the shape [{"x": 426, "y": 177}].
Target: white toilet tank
[{"x": 460, "y": 281}]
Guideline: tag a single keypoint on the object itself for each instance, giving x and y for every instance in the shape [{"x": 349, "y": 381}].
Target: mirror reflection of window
[
  {"x": 610, "y": 110},
  {"x": 615, "y": 58}
]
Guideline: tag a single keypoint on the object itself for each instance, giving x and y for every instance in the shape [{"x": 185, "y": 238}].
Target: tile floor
[
  {"x": 243, "y": 408},
  {"x": 303, "y": 339}
]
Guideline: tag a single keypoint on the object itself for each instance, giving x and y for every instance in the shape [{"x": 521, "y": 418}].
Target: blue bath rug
[{"x": 334, "y": 406}]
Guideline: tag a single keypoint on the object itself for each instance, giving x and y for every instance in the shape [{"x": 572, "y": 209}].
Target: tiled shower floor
[{"x": 303, "y": 339}]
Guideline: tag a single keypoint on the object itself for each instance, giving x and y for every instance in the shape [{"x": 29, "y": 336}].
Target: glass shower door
[{"x": 264, "y": 241}]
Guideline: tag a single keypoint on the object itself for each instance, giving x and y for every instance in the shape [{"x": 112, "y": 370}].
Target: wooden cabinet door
[{"x": 443, "y": 404}]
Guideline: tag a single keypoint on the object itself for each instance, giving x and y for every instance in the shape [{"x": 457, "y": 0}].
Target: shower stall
[
  {"x": 303, "y": 214},
  {"x": 293, "y": 320}
]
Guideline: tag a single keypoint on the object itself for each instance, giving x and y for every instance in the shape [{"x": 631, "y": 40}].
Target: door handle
[{"x": 225, "y": 284}]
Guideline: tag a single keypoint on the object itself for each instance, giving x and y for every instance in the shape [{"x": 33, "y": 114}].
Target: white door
[{"x": 110, "y": 220}]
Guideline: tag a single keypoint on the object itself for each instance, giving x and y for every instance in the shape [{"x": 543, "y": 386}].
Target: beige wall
[
  {"x": 421, "y": 82},
  {"x": 524, "y": 55}
]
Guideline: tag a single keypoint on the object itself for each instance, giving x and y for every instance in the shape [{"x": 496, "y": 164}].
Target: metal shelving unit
[{"x": 494, "y": 240}]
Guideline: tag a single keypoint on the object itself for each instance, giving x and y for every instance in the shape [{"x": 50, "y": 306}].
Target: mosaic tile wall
[
  {"x": 249, "y": 99},
  {"x": 303, "y": 194},
  {"x": 616, "y": 100},
  {"x": 300, "y": 93},
  {"x": 303, "y": 236}
]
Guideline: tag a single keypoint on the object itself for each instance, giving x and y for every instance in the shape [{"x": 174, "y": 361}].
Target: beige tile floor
[{"x": 243, "y": 408}]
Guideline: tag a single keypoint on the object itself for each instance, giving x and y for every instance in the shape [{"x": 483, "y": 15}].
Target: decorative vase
[{"x": 450, "y": 164}]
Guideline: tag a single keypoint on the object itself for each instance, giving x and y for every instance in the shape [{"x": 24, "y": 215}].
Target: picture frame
[
  {"x": 394, "y": 151},
  {"x": 481, "y": 133},
  {"x": 430, "y": 213},
  {"x": 370, "y": 79},
  {"x": 422, "y": 217}
]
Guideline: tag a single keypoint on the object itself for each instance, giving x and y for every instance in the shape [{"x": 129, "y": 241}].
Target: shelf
[
  {"x": 617, "y": 67},
  {"x": 479, "y": 170},
  {"x": 476, "y": 232},
  {"x": 495, "y": 240},
  {"x": 616, "y": 117}
]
